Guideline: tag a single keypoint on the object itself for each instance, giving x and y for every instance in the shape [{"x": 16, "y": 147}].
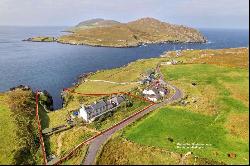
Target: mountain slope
[{"x": 93, "y": 23}]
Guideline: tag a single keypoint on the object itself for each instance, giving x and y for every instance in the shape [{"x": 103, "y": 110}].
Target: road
[{"x": 96, "y": 143}]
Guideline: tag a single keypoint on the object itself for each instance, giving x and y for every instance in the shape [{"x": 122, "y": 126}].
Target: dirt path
[
  {"x": 59, "y": 144},
  {"x": 112, "y": 82}
]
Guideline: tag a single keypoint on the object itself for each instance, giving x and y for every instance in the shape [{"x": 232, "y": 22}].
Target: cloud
[{"x": 196, "y": 13}]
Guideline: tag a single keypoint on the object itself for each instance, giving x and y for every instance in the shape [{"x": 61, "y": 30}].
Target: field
[
  {"x": 18, "y": 129},
  {"x": 126, "y": 152},
  {"x": 190, "y": 128},
  {"x": 214, "y": 111},
  {"x": 8, "y": 139}
]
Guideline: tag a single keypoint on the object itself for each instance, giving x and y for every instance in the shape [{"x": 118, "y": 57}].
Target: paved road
[{"x": 96, "y": 143}]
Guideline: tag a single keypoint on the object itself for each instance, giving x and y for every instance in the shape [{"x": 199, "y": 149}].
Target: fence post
[{"x": 40, "y": 129}]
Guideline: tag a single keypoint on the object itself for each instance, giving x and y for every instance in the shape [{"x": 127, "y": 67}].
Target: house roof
[
  {"x": 157, "y": 96},
  {"x": 101, "y": 103}
]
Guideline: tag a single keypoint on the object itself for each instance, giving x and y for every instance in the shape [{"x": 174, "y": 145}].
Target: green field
[
  {"x": 187, "y": 127},
  {"x": 18, "y": 129},
  {"x": 7, "y": 133}
]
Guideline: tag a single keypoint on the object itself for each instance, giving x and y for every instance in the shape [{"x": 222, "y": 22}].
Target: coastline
[{"x": 117, "y": 46}]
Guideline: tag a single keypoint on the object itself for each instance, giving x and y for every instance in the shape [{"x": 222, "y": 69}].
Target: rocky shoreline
[
  {"x": 53, "y": 39},
  {"x": 41, "y": 39},
  {"x": 45, "y": 98}
]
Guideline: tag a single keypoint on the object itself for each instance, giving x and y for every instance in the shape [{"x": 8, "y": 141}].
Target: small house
[
  {"x": 153, "y": 98},
  {"x": 154, "y": 93}
]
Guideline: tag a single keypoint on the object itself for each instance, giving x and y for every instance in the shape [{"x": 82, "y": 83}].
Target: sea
[{"x": 54, "y": 66}]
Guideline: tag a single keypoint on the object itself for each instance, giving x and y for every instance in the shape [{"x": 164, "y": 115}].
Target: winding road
[{"x": 97, "y": 142}]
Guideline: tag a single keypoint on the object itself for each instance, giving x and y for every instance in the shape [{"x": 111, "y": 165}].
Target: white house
[
  {"x": 154, "y": 94},
  {"x": 153, "y": 98},
  {"x": 148, "y": 92},
  {"x": 90, "y": 112}
]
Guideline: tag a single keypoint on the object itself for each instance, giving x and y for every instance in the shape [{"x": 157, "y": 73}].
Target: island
[
  {"x": 41, "y": 39},
  {"x": 110, "y": 33}
]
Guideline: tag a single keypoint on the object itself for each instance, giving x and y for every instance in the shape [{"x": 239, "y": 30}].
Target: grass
[
  {"x": 184, "y": 126},
  {"x": 215, "y": 92},
  {"x": 232, "y": 57},
  {"x": 8, "y": 129},
  {"x": 78, "y": 157},
  {"x": 18, "y": 128},
  {"x": 125, "y": 152}
]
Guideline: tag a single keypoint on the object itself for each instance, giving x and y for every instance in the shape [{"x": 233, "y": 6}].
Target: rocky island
[
  {"x": 109, "y": 33},
  {"x": 41, "y": 39}
]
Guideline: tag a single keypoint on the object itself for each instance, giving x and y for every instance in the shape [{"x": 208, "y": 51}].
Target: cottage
[
  {"x": 149, "y": 77},
  {"x": 91, "y": 112},
  {"x": 162, "y": 91},
  {"x": 152, "y": 91},
  {"x": 153, "y": 98},
  {"x": 155, "y": 93}
]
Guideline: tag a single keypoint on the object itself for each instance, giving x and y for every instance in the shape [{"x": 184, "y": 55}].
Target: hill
[
  {"x": 93, "y": 23},
  {"x": 18, "y": 128},
  {"x": 109, "y": 33}
]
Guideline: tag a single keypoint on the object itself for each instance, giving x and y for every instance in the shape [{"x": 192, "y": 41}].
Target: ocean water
[{"x": 54, "y": 66}]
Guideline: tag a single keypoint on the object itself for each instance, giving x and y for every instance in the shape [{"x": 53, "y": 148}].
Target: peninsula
[{"x": 109, "y": 33}]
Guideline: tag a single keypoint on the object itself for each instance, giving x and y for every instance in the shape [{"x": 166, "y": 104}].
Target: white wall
[{"x": 83, "y": 114}]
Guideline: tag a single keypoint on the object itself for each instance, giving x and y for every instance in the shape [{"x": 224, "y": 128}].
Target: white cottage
[
  {"x": 91, "y": 112},
  {"x": 154, "y": 94}
]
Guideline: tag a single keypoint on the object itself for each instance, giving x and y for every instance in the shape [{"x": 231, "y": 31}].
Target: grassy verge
[
  {"x": 8, "y": 135},
  {"x": 19, "y": 132},
  {"x": 78, "y": 157}
]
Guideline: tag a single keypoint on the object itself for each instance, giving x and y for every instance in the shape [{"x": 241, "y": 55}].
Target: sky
[{"x": 230, "y": 14}]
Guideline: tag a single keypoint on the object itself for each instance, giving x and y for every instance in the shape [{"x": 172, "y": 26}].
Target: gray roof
[
  {"x": 117, "y": 99},
  {"x": 155, "y": 90},
  {"x": 157, "y": 96},
  {"x": 101, "y": 103},
  {"x": 162, "y": 89},
  {"x": 98, "y": 104}
]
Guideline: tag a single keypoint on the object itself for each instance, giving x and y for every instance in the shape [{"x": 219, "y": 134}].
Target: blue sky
[{"x": 194, "y": 13}]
